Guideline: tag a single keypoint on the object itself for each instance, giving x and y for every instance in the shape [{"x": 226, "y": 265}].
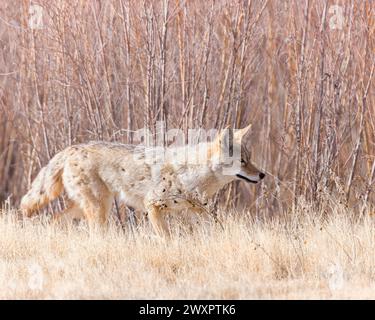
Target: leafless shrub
[{"x": 95, "y": 68}]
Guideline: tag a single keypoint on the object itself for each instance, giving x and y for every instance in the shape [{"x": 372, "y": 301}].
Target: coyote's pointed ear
[
  {"x": 240, "y": 133},
  {"x": 221, "y": 134},
  {"x": 220, "y": 141},
  {"x": 220, "y": 138}
]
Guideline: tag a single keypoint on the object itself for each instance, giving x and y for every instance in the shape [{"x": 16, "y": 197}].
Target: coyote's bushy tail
[{"x": 46, "y": 187}]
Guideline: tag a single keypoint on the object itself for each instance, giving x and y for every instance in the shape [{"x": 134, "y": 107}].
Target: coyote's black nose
[{"x": 261, "y": 175}]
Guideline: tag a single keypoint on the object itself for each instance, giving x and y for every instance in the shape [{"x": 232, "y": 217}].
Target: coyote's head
[{"x": 229, "y": 144}]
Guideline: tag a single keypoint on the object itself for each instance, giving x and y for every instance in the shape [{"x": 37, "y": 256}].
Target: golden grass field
[{"x": 292, "y": 257}]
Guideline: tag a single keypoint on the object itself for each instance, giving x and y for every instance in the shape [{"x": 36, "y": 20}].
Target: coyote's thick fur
[{"x": 93, "y": 174}]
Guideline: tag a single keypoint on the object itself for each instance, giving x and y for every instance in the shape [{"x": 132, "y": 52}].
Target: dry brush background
[{"x": 96, "y": 70}]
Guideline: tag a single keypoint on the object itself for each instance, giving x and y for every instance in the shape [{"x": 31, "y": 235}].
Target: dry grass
[{"x": 286, "y": 258}]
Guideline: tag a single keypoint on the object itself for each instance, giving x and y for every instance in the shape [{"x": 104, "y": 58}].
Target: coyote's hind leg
[
  {"x": 90, "y": 194},
  {"x": 97, "y": 210}
]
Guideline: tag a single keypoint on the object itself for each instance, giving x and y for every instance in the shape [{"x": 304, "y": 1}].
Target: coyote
[{"x": 96, "y": 173}]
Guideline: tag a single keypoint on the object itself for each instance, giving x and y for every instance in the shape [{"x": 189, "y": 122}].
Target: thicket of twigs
[{"x": 97, "y": 69}]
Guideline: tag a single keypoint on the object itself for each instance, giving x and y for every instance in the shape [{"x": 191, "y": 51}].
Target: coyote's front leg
[{"x": 158, "y": 221}]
